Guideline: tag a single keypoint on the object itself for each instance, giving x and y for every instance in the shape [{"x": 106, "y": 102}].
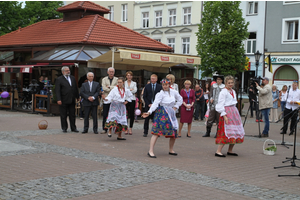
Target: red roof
[
  {"x": 91, "y": 29},
  {"x": 81, "y": 5}
]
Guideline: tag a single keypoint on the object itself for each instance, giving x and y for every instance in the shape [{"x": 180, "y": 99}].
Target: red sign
[
  {"x": 135, "y": 56},
  {"x": 188, "y": 60},
  {"x": 164, "y": 58}
]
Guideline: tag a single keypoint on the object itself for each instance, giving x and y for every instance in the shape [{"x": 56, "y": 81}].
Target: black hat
[{"x": 215, "y": 76}]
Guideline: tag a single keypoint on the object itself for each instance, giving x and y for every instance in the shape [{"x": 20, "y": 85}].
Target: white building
[
  {"x": 174, "y": 23},
  {"x": 254, "y": 13}
]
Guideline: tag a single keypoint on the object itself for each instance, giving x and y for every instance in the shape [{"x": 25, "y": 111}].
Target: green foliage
[
  {"x": 271, "y": 148},
  {"x": 220, "y": 38},
  {"x": 13, "y": 16}
]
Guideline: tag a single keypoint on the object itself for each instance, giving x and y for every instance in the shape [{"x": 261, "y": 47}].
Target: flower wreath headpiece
[{"x": 165, "y": 81}]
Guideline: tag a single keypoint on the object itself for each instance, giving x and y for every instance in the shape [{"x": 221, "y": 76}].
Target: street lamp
[{"x": 257, "y": 57}]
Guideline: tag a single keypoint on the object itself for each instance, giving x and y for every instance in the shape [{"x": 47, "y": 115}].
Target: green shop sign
[{"x": 285, "y": 60}]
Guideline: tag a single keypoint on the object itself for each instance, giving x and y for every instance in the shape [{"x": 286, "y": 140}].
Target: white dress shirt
[
  {"x": 294, "y": 95},
  {"x": 225, "y": 99},
  {"x": 68, "y": 79},
  {"x": 114, "y": 95}
]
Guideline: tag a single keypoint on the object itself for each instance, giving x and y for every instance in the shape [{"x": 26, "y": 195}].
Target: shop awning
[{"x": 142, "y": 59}]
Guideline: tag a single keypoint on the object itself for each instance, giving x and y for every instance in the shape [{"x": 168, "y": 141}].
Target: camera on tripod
[{"x": 255, "y": 80}]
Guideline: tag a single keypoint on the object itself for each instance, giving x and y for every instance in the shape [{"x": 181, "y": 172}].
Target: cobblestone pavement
[{"x": 89, "y": 166}]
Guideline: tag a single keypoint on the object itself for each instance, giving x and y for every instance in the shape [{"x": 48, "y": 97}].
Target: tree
[
  {"x": 36, "y": 11},
  {"x": 220, "y": 38},
  {"x": 10, "y": 16},
  {"x": 13, "y": 16}
]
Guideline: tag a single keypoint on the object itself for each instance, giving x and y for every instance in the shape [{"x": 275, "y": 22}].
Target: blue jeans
[
  {"x": 265, "y": 114},
  {"x": 282, "y": 105},
  {"x": 43, "y": 92}
]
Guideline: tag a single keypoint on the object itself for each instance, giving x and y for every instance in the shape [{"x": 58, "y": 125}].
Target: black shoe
[
  {"x": 109, "y": 135},
  {"x": 64, "y": 131},
  {"x": 206, "y": 135},
  {"x": 282, "y": 132},
  {"x": 145, "y": 135},
  {"x": 173, "y": 154},
  {"x": 96, "y": 132},
  {"x": 188, "y": 136},
  {"x": 83, "y": 132},
  {"x": 219, "y": 155},
  {"x": 231, "y": 154},
  {"x": 75, "y": 131},
  {"x": 215, "y": 136},
  {"x": 121, "y": 138},
  {"x": 151, "y": 156},
  {"x": 291, "y": 133},
  {"x": 265, "y": 135}
]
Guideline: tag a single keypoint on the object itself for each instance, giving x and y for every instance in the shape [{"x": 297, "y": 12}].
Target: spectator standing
[
  {"x": 290, "y": 110},
  {"x": 187, "y": 107},
  {"x": 108, "y": 83},
  {"x": 150, "y": 91},
  {"x": 283, "y": 97},
  {"x": 173, "y": 85},
  {"x": 130, "y": 106},
  {"x": 275, "y": 98},
  {"x": 200, "y": 102},
  {"x": 206, "y": 95},
  {"x": 265, "y": 103},
  {"x": 66, "y": 94},
  {"x": 90, "y": 92}
]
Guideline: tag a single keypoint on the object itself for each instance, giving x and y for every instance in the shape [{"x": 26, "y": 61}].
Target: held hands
[
  {"x": 150, "y": 105},
  {"x": 125, "y": 102},
  {"x": 144, "y": 115},
  {"x": 59, "y": 102},
  {"x": 225, "y": 119},
  {"x": 91, "y": 99}
]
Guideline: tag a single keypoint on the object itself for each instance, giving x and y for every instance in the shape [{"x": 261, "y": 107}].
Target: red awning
[{"x": 28, "y": 68}]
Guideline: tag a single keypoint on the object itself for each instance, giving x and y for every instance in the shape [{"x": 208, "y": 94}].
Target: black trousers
[
  {"x": 289, "y": 113},
  {"x": 87, "y": 111},
  {"x": 146, "y": 122},
  {"x": 199, "y": 110},
  {"x": 105, "y": 114},
  {"x": 65, "y": 110},
  {"x": 130, "y": 107}
]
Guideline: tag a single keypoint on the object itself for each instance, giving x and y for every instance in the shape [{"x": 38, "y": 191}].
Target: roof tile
[{"x": 83, "y": 5}]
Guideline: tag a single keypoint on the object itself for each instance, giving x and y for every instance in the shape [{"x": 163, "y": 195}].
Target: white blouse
[
  {"x": 132, "y": 86},
  {"x": 225, "y": 99},
  {"x": 175, "y": 87},
  {"x": 283, "y": 96},
  {"x": 114, "y": 95},
  {"x": 164, "y": 98}
]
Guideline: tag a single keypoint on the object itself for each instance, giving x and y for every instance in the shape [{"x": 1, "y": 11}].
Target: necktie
[
  {"x": 91, "y": 86},
  {"x": 153, "y": 89}
]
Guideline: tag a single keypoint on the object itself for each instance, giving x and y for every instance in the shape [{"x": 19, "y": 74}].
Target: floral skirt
[
  {"x": 162, "y": 124},
  {"x": 117, "y": 127},
  {"x": 235, "y": 132}
]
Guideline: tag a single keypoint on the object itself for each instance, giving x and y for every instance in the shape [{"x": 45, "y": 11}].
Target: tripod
[
  {"x": 293, "y": 164},
  {"x": 256, "y": 113}
]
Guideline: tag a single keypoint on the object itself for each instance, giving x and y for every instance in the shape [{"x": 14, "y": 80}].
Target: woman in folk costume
[
  {"x": 118, "y": 97},
  {"x": 230, "y": 128},
  {"x": 166, "y": 102}
]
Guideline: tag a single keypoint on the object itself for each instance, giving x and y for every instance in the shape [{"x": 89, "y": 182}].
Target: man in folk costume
[{"x": 214, "y": 96}]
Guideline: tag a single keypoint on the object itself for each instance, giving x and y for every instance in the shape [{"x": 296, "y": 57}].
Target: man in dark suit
[
  {"x": 66, "y": 93},
  {"x": 90, "y": 92},
  {"x": 150, "y": 91}
]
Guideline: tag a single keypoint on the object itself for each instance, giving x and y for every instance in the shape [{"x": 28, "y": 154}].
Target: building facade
[
  {"x": 282, "y": 41},
  {"x": 174, "y": 23}
]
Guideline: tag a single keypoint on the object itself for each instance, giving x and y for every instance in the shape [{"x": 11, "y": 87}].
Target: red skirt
[{"x": 221, "y": 137}]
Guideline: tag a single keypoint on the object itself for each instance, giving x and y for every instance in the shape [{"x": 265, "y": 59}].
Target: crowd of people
[{"x": 217, "y": 103}]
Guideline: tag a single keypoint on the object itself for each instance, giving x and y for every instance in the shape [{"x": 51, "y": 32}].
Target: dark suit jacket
[
  {"x": 85, "y": 93},
  {"x": 64, "y": 92},
  {"x": 147, "y": 96}
]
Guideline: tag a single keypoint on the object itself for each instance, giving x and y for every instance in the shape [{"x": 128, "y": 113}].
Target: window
[
  {"x": 290, "y": 30},
  {"x": 111, "y": 14},
  {"x": 251, "y": 43},
  {"x": 145, "y": 16},
  {"x": 252, "y": 7},
  {"x": 158, "y": 40},
  {"x": 187, "y": 15},
  {"x": 171, "y": 43},
  {"x": 172, "y": 17},
  {"x": 158, "y": 18},
  {"x": 124, "y": 12},
  {"x": 186, "y": 45},
  {"x": 293, "y": 28}
]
